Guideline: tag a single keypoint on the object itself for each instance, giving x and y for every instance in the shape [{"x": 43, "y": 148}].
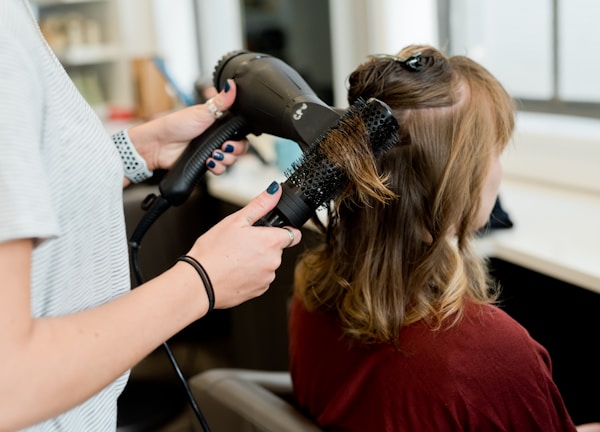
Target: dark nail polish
[
  {"x": 227, "y": 87},
  {"x": 229, "y": 148},
  {"x": 211, "y": 164},
  {"x": 218, "y": 156},
  {"x": 273, "y": 187}
]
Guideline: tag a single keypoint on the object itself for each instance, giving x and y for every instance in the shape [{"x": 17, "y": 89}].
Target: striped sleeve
[{"x": 25, "y": 201}]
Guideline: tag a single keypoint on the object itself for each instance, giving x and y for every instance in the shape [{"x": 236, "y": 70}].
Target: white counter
[{"x": 556, "y": 232}]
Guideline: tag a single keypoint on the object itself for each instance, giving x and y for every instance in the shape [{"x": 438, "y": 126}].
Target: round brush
[{"x": 320, "y": 174}]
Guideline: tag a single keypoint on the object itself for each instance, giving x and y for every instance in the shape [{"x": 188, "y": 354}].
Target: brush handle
[{"x": 291, "y": 209}]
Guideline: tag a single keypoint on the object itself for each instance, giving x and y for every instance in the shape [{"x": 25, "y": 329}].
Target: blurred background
[{"x": 136, "y": 58}]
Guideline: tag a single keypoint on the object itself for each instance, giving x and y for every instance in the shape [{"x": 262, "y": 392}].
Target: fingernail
[
  {"x": 273, "y": 187},
  {"x": 229, "y": 148},
  {"x": 218, "y": 155},
  {"x": 227, "y": 86},
  {"x": 211, "y": 164}
]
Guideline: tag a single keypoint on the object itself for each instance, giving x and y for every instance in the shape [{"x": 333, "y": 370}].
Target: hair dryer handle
[{"x": 178, "y": 183}]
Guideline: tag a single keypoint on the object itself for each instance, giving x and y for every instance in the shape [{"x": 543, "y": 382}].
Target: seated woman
[{"x": 394, "y": 324}]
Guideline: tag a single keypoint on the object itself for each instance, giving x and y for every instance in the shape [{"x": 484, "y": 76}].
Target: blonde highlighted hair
[{"x": 385, "y": 264}]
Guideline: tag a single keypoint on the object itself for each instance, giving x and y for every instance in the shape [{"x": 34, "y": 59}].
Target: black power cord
[
  {"x": 174, "y": 189},
  {"x": 135, "y": 245}
]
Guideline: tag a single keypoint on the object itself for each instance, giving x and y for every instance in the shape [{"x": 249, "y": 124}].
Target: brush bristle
[
  {"x": 323, "y": 170},
  {"x": 382, "y": 127}
]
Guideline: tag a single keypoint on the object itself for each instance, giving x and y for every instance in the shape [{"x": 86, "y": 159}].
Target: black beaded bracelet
[{"x": 210, "y": 292}]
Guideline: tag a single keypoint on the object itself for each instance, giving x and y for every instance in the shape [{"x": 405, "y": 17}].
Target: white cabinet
[{"x": 87, "y": 39}]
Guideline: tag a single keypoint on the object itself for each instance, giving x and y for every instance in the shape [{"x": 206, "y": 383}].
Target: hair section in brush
[
  {"x": 322, "y": 172},
  {"x": 360, "y": 140},
  {"x": 346, "y": 153}
]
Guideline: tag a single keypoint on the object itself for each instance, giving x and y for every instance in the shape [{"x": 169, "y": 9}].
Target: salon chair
[{"x": 245, "y": 400}]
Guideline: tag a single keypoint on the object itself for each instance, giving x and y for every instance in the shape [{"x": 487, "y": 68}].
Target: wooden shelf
[
  {"x": 65, "y": 2},
  {"x": 89, "y": 55}
]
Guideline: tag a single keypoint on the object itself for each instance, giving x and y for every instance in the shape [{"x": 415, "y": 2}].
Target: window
[{"x": 543, "y": 51}]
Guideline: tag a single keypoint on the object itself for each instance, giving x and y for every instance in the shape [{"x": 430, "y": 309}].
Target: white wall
[
  {"x": 363, "y": 27},
  {"x": 176, "y": 41},
  {"x": 478, "y": 31},
  {"x": 220, "y": 31}
]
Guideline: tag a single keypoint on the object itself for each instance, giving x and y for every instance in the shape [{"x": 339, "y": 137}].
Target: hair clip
[{"x": 414, "y": 63}]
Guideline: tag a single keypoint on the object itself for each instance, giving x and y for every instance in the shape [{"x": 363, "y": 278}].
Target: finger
[
  {"x": 235, "y": 147},
  {"x": 262, "y": 204},
  {"x": 209, "y": 92},
  {"x": 218, "y": 163},
  {"x": 215, "y": 167},
  {"x": 226, "y": 159},
  {"x": 224, "y": 99},
  {"x": 294, "y": 236}
]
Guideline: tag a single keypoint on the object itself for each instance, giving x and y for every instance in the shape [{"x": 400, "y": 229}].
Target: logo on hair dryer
[{"x": 300, "y": 111}]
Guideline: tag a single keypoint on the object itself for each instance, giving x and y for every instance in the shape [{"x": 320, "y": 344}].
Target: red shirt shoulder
[{"x": 486, "y": 373}]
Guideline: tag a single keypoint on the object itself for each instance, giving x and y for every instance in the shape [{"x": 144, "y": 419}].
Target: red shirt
[{"x": 485, "y": 374}]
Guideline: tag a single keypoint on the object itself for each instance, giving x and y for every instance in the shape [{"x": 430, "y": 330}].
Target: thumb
[
  {"x": 262, "y": 204},
  {"x": 224, "y": 99}
]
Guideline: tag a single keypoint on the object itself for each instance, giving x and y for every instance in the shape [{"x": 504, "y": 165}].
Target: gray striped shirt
[{"x": 61, "y": 184}]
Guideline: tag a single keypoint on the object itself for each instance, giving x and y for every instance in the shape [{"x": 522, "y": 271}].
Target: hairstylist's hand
[
  {"x": 162, "y": 140},
  {"x": 240, "y": 258}
]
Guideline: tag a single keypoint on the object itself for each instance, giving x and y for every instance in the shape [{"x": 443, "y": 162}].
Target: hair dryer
[{"x": 271, "y": 98}]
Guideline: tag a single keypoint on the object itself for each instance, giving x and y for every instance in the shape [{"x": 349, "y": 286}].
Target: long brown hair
[{"x": 387, "y": 263}]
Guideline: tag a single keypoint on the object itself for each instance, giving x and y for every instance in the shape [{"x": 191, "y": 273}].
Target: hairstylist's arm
[
  {"x": 52, "y": 364},
  {"x": 162, "y": 140}
]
